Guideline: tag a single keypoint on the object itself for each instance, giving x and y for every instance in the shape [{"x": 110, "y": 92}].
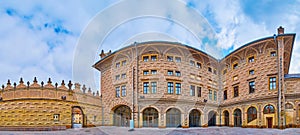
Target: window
[
  {"x": 209, "y": 69},
  {"x": 210, "y": 94},
  {"x": 145, "y": 58},
  {"x": 169, "y": 58},
  {"x": 288, "y": 106},
  {"x": 269, "y": 109},
  {"x": 215, "y": 95},
  {"x": 178, "y": 88},
  {"x": 251, "y": 59},
  {"x": 117, "y": 64},
  {"x": 146, "y": 87},
  {"x": 117, "y": 92},
  {"x": 124, "y": 63},
  {"x": 170, "y": 72},
  {"x": 198, "y": 77},
  {"x": 170, "y": 88},
  {"x": 199, "y": 91},
  {"x": 153, "y": 72},
  {"x": 273, "y": 54},
  {"x": 95, "y": 118},
  {"x": 272, "y": 83},
  {"x": 177, "y": 73},
  {"x": 198, "y": 65},
  {"x": 123, "y": 91},
  {"x": 153, "y": 58},
  {"x": 225, "y": 94},
  {"x": 56, "y": 117},
  {"x": 178, "y": 59},
  {"x": 146, "y": 72},
  {"x": 117, "y": 77},
  {"x": 251, "y": 114},
  {"x": 235, "y": 78},
  {"x": 192, "y": 76},
  {"x": 154, "y": 87},
  {"x": 124, "y": 76},
  {"x": 192, "y": 63},
  {"x": 192, "y": 90},
  {"x": 251, "y": 87},
  {"x": 251, "y": 72},
  {"x": 235, "y": 66},
  {"x": 224, "y": 71},
  {"x": 215, "y": 71},
  {"x": 236, "y": 91}
]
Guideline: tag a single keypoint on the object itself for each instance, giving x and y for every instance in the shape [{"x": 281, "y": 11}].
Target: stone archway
[
  {"x": 77, "y": 117},
  {"x": 150, "y": 117},
  {"x": 226, "y": 118},
  {"x": 173, "y": 118},
  {"x": 122, "y": 116},
  {"x": 212, "y": 118},
  {"x": 237, "y": 118},
  {"x": 195, "y": 118}
]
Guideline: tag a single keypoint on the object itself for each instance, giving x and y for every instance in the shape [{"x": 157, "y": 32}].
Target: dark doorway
[
  {"x": 269, "y": 122},
  {"x": 150, "y": 117},
  {"x": 122, "y": 116},
  {"x": 226, "y": 118},
  {"x": 173, "y": 118},
  {"x": 212, "y": 118},
  {"x": 237, "y": 118},
  {"x": 195, "y": 118},
  {"x": 77, "y": 117}
]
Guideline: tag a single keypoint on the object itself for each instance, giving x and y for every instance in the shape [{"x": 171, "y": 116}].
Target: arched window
[
  {"x": 269, "y": 109},
  {"x": 288, "y": 106},
  {"x": 252, "y": 114}
]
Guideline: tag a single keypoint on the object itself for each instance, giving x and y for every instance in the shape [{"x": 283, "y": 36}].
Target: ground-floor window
[
  {"x": 122, "y": 116},
  {"x": 173, "y": 117},
  {"x": 150, "y": 117}
]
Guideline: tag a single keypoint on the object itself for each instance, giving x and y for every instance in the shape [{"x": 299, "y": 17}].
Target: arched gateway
[{"x": 122, "y": 116}]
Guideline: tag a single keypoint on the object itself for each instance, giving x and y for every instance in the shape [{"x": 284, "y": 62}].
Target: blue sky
[{"x": 39, "y": 38}]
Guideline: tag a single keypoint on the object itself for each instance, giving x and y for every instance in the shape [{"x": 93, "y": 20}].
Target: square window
[
  {"x": 170, "y": 72},
  {"x": 153, "y": 58},
  {"x": 170, "y": 58},
  {"x": 124, "y": 63},
  {"x": 154, "y": 87},
  {"x": 178, "y": 59},
  {"x": 209, "y": 69},
  {"x": 146, "y": 72},
  {"x": 251, "y": 87},
  {"x": 123, "y": 91},
  {"x": 117, "y": 64},
  {"x": 272, "y": 83},
  {"x": 124, "y": 76},
  {"x": 153, "y": 72},
  {"x": 177, "y": 73},
  {"x": 146, "y": 87},
  {"x": 170, "y": 88},
  {"x": 178, "y": 88},
  {"x": 117, "y": 92},
  {"x": 251, "y": 72},
  {"x": 192, "y": 90},
  {"x": 236, "y": 91},
  {"x": 251, "y": 59},
  {"x": 273, "y": 54},
  {"x": 198, "y": 65},
  {"x": 117, "y": 77},
  {"x": 224, "y": 71},
  {"x": 145, "y": 58},
  {"x": 235, "y": 66},
  {"x": 225, "y": 94},
  {"x": 56, "y": 117},
  {"x": 192, "y": 63}
]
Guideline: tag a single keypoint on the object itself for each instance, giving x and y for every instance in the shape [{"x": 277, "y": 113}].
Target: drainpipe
[{"x": 279, "y": 81}]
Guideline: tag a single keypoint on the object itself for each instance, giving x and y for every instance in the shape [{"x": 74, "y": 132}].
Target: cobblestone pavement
[{"x": 156, "y": 131}]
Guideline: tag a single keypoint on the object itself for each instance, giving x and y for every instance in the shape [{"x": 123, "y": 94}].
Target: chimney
[
  {"x": 280, "y": 30},
  {"x": 102, "y": 55}
]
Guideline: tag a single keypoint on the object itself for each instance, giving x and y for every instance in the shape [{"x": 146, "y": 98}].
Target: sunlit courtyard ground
[{"x": 166, "y": 131}]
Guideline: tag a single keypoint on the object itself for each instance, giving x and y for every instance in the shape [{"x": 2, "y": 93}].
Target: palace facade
[{"x": 167, "y": 84}]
